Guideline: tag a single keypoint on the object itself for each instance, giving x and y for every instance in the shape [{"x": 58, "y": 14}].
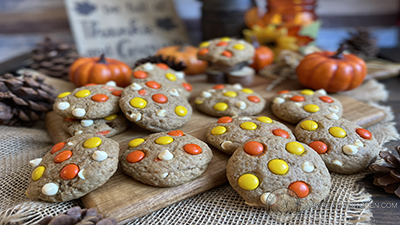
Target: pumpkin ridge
[
  {"x": 352, "y": 77},
  {"x": 311, "y": 72}
]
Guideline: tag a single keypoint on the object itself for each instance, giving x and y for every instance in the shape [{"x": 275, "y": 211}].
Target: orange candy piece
[
  {"x": 91, "y": 84},
  {"x": 100, "y": 98},
  {"x": 253, "y": 98},
  {"x": 253, "y": 148},
  {"x": 117, "y": 93},
  {"x": 326, "y": 99},
  {"x": 319, "y": 146},
  {"x": 142, "y": 92},
  {"x": 135, "y": 156},
  {"x": 57, "y": 147},
  {"x": 62, "y": 156},
  {"x": 176, "y": 133},
  {"x": 227, "y": 54},
  {"x": 108, "y": 88},
  {"x": 139, "y": 74},
  {"x": 300, "y": 188},
  {"x": 203, "y": 51},
  {"x": 222, "y": 43},
  {"x": 162, "y": 66},
  {"x": 159, "y": 98},
  {"x": 224, "y": 119},
  {"x": 364, "y": 133},
  {"x": 297, "y": 98},
  {"x": 283, "y": 92},
  {"x": 69, "y": 171},
  {"x": 103, "y": 132},
  {"x": 187, "y": 86},
  {"x": 192, "y": 149},
  {"x": 219, "y": 86},
  {"x": 280, "y": 133},
  {"x": 153, "y": 84}
]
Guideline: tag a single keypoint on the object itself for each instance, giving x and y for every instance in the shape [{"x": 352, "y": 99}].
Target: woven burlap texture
[{"x": 347, "y": 203}]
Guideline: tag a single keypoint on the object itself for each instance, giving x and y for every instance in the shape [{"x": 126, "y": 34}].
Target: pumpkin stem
[
  {"x": 254, "y": 41},
  {"x": 102, "y": 59},
  {"x": 339, "y": 52}
]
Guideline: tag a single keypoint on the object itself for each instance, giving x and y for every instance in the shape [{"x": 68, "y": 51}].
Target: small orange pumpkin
[
  {"x": 99, "y": 70},
  {"x": 252, "y": 17},
  {"x": 332, "y": 71},
  {"x": 263, "y": 56},
  {"x": 186, "y": 54}
]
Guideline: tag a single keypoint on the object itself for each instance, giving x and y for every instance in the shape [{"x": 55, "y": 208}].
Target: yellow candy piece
[
  {"x": 82, "y": 93},
  {"x": 295, "y": 147},
  {"x": 307, "y": 92},
  {"x": 309, "y": 125},
  {"x": 231, "y": 94},
  {"x": 38, "y": 173},
  {"x": 164, "y": 140},
  {"x": 138, "y": 102},
  {"x": 135, "y": 142},
  {"x": 170, "y": 76},
  {"x": 221, "y": 106},
  {"x": 247, "y": 90},
  {"x": 64, "y": 94},
  {"x": 180, "y": 110},
  {"x": 92, "y": 142},
  {"x": 248, "y": 126},
  {"x": 248, "y": 182},
  {"x": 337, "y": 132},
  {"x": 198, "y": 102},
  {"x": 218, "y": 130},
  {"x": 278, "y": 166},
  {"x": 264, "y": 119},
  {"x": 225, "y": 39},
  {"x": 239, "y": 47},
  {"x": 111, "y": 117},
  {"x": 204, "y": 44},
  {"x": 311, "y": 108}
]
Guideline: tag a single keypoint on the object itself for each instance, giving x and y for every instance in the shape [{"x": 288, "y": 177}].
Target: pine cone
[
  {"x": 170, "y": 61},
  {"x": 53, "y": 59},
  {"x": 24, "y": 99},
  {"x": 388, "y": 176},
  {"x": 78, "y": 216},
  {"x": 362, "y": 44}
]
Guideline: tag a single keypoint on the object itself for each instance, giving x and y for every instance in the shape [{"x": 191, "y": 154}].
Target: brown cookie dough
[
  {"x": 344, "y": 146},
  {"x": 73, "y": 168},
  {"x": 155, "y": 107},
  {"x": 230, "y": 100},
  {"x": 161, "y": 73},
  {"x": 229, "y": 133},
  {"x": 88, "y": 102},
  {"x": 166, "y": 159},
  {"x": 293, "y": 106},
  {"x": 262, "y": 166},
  {"x": 108, "y": 126}
]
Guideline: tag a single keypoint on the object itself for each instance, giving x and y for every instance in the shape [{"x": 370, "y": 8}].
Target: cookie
[
  {"x": 229, "y": 133},
  {"x": 166, "y": 159},
  {"x": 229, "y": 100},
  {"x": 108, "y": 126},
  {"x": 345, "y": 147},
  {"x": 89, "y": 102},
  {"x": 293, "y": 106},
  {"x": 155, "y": 107},
  {"x": 73, "y": 168},
  {"x": 264, "y": 166},
  {"x": 161, "y": 73}
]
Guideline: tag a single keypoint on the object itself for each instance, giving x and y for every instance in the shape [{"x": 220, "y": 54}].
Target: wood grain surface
[{"x": 127, "y": 199}]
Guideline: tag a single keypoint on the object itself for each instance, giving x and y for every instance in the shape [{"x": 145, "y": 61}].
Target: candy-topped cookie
[
  {"x": 108, "y": 126},
  {"x": 344, "y": 146},
  {"x": 262, "y": 167},
  {"x": 89, "y": 102},
  {"x": 154, "y": 106},
  {"x": 293, "y": 106},
  {"x": 166, "y": 159},
  {"x": 229, "y": 133},
  {"x": 229, "y": 100},
  {"x": 161, "y": 73},
  {"x": 73, "y": 168}
]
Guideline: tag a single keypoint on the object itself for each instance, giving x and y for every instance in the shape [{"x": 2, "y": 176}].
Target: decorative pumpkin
[
  {"x": 252, "y": 17},
  {"x": 332, "y": 71},
  {"x": 186, "y": 54},
  {"x": 263, "y": 56},
  {"x": 99, "y": 70}
]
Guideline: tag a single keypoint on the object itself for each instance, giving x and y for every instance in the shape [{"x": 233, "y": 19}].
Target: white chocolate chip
[
  {"x": 99, "y": 156},
  {"x": 136, "y": 116},
  {"x": 70, "y": 143},
  {"x": 332, "y": 116},
  {"x": 86, "y": 123},
  {"x": 148, "y": 66},
  {"x": 268, "y": 198},
  {"x": 286, "y": 96},
  {"x": 161, "y": 113},
  {"x": 278, "y": 100},
  {"x": 164, "y": 175},
  {"x": 212, "y": 90},
  {"x": 50, "y": 189},
  {"x": 358, "y": 143},
  {"x": 227, "y": 145},
  {"x": 78, "y": 132},
  {"x": 111, "y": 83},
  {"x": 165, "y": 155},
  {"x": 337, "y": 162},
  {"x": 299, "y": 104},
  {"x": 78, "y": 112},
  {"x": 334, "y": 109},
  {"x": 35, "y": 162},
  {"x": 238, "y": 86},
  {"x": 321, "y": 91},
  {"x": 136, "y": 87},
  {"x": 174, "y": 92},
  {"x": 206, "y": 94},
  {"x": 241, "y": 104},
  {"x": 80, "y": 174},
  {"x": 244, "y": 118},
  {"x": 307, "y": 167},
  {"x": 350, "y": 149},
  {"x": 180, "y": 74},
  {"x": 63, "y": 105}
]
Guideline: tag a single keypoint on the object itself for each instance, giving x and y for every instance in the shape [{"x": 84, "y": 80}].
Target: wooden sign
[{"x": 124, "y": 29}]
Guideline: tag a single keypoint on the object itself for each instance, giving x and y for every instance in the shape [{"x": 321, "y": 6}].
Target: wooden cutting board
[{"x": 126, "y": 199}]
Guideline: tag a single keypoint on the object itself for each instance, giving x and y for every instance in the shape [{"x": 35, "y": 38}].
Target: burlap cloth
[{"x": 347, "y": 203}]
